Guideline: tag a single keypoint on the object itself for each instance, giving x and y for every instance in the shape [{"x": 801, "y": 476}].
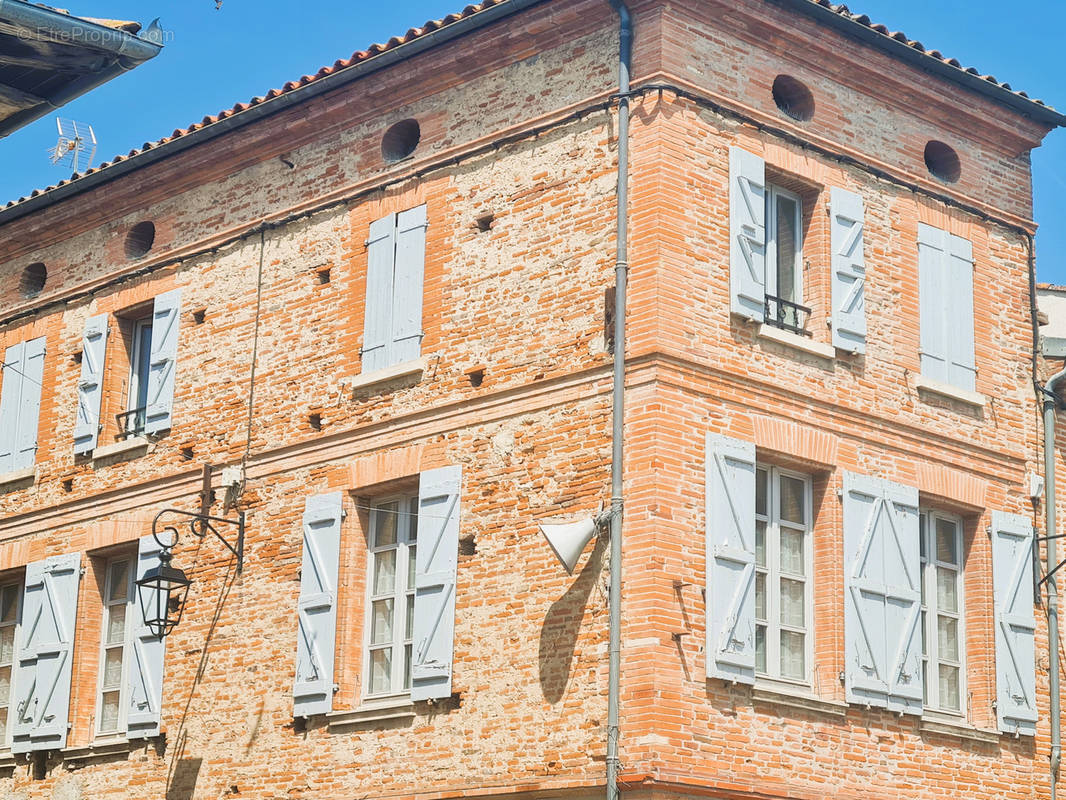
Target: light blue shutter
[
  {"x": 407, "y": 291},
  {"x": 29, "y": 404},
  {"x": 962, "y": 371},
  {"x": 41, "y": 697},
  {"x": 882, "y": 594},
  {"x": 377, "y": 315},
  {"x": 1012, "y": 581},
  {"x": 933, "y": 302},
  {"x": 747, "y": 234},
  {"x": 730, "y": 559},
  {"x": 163, "y": 362},
  {"x": 435, "y": 574},
  {"x": 849, "y": 271},
  {"x": 316, "y": 634},
  {"x": 11, "y": 404},
  {"x": 144, "y": 693},
  {"x": 90, "y": 385}
]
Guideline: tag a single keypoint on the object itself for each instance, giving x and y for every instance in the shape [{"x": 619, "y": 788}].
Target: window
[
  {"x": 391, "y": 597},
  {"x": 942, "y": 602},
  {"x": 945, "y": 297},
  {"x": 9, "y": 608},
  {"x": 392, "y": 322},
  {"x": 784, "y": 259},
  {"x": 114, "y": 639},
  {"x": 782, "y": 570},
  {"x": 20, "y": 404},
  {"x": 132, "y": 420}
]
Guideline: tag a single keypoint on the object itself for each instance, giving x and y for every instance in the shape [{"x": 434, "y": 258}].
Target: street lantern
[
  {"x": 163, "y": 590},
  {"x": 164, "y": 587}
]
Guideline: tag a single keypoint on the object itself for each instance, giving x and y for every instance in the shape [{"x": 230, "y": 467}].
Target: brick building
[{"x": 373, "y": 304}]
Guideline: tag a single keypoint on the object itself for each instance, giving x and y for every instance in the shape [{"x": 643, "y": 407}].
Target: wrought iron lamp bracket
[{"x": 199, "y": 526}]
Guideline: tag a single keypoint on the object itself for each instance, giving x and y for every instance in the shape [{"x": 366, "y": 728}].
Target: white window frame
[
  {"x": 16, "y": 586},
  {"x": 773, "y": 573},
  {"x": 773, "y": 193},
  {"x": 107, "y": 603},
  {"x": 407, "y": 521},
  {"x": 931, "y": 660},
  {"x": 136, "y": 378}
]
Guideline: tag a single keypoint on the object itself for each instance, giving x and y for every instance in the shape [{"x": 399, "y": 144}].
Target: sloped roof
[{"x": 473, "y": 16}]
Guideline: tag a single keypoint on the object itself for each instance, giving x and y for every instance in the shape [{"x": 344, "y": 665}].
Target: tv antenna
[{"x": 76, "y": 145}]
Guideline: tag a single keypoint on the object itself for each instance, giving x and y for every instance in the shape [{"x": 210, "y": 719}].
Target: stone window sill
[
  {"x": 957, "y": 728},
  {"x": 399, "y": 708},
  {"x": 798, "y": 698},
  {"x": 8, "y": 760},
  {"x": 793, "y": 340},
  {"x": 406, "y": 370},
  {"x": 27, "y": 475},
  {"x": 947, "y": 390},
  {"x": 135, "y": 445}
]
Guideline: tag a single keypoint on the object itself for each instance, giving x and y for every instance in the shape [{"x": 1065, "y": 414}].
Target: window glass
[
  {"x": 140, "y": 365},
  {"x": 393, "y": 526},
  {"x": 941, "y": 618},
  {"x": 114, "y": 637},
  {"x": 9, "y": 602}
]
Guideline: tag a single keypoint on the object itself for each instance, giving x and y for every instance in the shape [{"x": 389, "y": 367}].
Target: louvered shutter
[
  {"x": 41, "y": 692},
  {"x": 849, "y": 271},
  {"x": 317, "y": 607},
  {"x": 11, "y": 404},
  {"x": 747, "y": 234},
  {"x": 29, "y": 404},
  {"x": 90, "y": 385},
  {"x": 408, "y": 280},
  {"x": 961, "y": 367},
  {"x": 377, "y": 314},
  {"x": 435, "y": 574},
  {"x": 1012, "y": 580},
  {"x": 933, "y": 302},
  {"x": 882, "y": 594},
  {"x": 730, "y": 559},
  {"x": 145, "y": 680},
  {"x": 163, "y": 362}
]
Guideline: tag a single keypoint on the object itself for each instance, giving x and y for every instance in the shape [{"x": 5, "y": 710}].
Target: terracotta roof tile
[{"x": 433, "y": 25}]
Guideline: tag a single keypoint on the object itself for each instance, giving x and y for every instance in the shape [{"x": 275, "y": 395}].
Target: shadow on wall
[
  {"x": 562, "y": 623},
  {"x": 183, "y": 782}
]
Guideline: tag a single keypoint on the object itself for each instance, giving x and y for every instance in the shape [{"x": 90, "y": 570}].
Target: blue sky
[{"x": 214, "y": 59}]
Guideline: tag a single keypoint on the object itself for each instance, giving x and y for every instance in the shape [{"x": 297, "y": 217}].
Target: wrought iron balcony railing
[{"x": 786, "y": 315}]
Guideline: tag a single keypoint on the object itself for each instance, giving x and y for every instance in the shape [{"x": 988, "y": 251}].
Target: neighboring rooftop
[
  {"x": 49, "y": 57},
  {"x": 474, "y": 16}
]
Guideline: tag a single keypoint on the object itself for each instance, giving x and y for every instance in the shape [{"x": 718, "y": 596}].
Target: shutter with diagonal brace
[
  {"x": 163, "y": 362},
  {"x": 1012, "y": 580},
  {"x": 145, "y": 680},
  {"x": 317, "y": 608},
  {"x": 730, "y": 559},
  {"x": 882, "y": 594},
  {"x": 41, "y": 696},
  {"x": 747, "y": 234},
  {"x": 20, "y": 404},
  {"x": 435, "y": 575},
  {"x": 849, "y": 271},
  {"x": 90, "y": 384}
]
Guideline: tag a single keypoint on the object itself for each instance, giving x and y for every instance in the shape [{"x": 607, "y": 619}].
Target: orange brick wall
[{"x": 524, "y": 300}]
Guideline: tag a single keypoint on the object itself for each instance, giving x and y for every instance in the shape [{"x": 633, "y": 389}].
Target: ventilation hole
[
  {"x": 33, "y": 279},
  {"x": 315, "y": 420},
  {"x": 140, "y": 239},
  {"x": 793, "y": 98},
  {"x": 467, "y": 546},
  {"x": 476, "y": 377},
  {"x": 186, "y": 454},
  {"x": 608, "y": 319},
  {"x": 39, "y": 760},
  {"x": 400, "y": 140},
  {"x": 942, "y": 161},
  {"x": 484, "y": 222},
  {"x": 77, "y": 357},
  {"x": 68, "y": 484},
  {"x": 199, "y": 316},
  {"x": 323, "y": 276}
]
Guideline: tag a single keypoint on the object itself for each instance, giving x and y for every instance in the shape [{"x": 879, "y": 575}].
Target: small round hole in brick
[
  {"x": 793, "y": 98},
  {"x": 140, "y": 239},
  {"x": 33, "y": 279},
  {"x": 400, "y": 140},
  {"x": 942, "y": 161}
]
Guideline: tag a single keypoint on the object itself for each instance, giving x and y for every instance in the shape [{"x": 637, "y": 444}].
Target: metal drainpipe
[
  {"x": 625, "y": 50},
  {"x": 1050, "y": 406}
]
